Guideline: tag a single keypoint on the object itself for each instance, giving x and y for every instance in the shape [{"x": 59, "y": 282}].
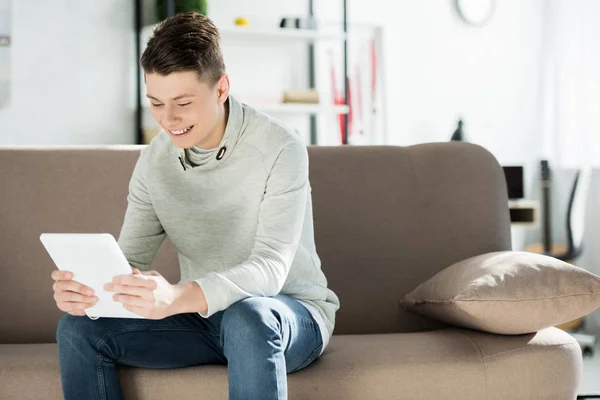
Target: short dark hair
[{"x": 185, "y": 42}]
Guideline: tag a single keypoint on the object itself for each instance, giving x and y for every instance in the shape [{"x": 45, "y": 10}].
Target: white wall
[
  {"x": 439, "y": 68},
  {"x": 72, "y": 73}
]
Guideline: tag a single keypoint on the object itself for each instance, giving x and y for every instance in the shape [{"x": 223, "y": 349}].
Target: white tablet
[{"x": 94, "y": 259}]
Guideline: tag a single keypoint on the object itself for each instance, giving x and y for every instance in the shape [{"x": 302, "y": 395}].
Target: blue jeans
[{"x": 260, "y": 339}]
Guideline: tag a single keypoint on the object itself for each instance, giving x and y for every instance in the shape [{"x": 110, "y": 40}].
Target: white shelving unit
[
  {"x": 250, "y": 37},
  {"x": 277, "y": 36}
]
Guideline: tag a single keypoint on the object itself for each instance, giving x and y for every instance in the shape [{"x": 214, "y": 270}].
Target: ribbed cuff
[{"x": 216, "y": 300}]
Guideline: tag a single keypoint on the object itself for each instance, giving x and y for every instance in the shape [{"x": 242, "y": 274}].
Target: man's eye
[
  {"x": 184, "y": 104},
  {"x": 156, "y": 105}
]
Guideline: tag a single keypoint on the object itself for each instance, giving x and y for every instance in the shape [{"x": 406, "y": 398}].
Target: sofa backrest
[{"x": 386, "y": 219}]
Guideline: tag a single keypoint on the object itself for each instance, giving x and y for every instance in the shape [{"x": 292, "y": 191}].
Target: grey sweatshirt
[{"x": 240, "y": 218}]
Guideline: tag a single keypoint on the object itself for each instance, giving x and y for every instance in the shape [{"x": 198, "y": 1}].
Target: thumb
[{"x": 145, "y": 273}]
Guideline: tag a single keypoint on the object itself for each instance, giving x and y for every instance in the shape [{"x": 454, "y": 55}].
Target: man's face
[{"x": 188, "y": 109}]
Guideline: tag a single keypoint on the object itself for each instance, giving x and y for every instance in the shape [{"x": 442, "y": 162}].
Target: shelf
[
  {"x": 263, "y": 33},
  {"x": 277, "y": 33},
  {"x": 295, "y": 108},
  {"x": 523, "y": 203}
]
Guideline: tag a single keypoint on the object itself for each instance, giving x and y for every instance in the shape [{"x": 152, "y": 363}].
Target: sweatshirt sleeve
[
  {"x": 280, "y": 223},
  {"x": 142, "y": 233}
]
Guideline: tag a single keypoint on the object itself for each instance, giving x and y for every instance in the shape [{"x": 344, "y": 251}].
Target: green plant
[{"x": 181, "y": 6}]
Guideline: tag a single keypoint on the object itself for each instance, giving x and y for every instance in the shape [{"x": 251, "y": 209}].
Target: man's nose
[{"x": 171, "y": 115}]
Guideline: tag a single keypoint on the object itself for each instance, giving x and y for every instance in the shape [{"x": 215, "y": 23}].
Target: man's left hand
[{"x": 147, "y": 294}]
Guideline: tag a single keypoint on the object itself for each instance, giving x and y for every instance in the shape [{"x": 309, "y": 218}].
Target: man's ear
[{"x": 223, "y": 88}]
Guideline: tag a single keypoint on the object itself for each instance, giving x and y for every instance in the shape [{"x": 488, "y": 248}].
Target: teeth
[{"x": 182, "y": 131}]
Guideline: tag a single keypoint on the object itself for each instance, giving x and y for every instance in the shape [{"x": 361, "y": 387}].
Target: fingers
[
  {"x": 72, "y": 286},
  {"x": 58, "y": 275},
  {"x": 133, "y": 301},
  {"x": 73, "y": 307},
  {"x": 63, "y": 281},
  {"x": 135, "y": 280},
  {"x": 71, "y": 297},
  {"x": 66, "y": 296},
  {"x": 150, "y": 273},
  {"x": 142, "y": 292}
]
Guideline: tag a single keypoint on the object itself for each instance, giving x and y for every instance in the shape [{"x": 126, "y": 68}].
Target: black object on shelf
[{"x": 458, "y": 135}]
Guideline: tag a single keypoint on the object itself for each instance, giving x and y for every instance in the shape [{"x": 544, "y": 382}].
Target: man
[{"x": 229, "y": 186}]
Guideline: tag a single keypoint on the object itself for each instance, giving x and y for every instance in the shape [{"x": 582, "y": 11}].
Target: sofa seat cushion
[{"x": 444, "y": 364}]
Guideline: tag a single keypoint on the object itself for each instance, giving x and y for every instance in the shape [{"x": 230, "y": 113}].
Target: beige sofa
[{"x": 386, "y": 219}]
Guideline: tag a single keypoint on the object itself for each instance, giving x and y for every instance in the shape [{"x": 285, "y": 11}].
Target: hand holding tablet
[
  {"x": 93, "y": 260},
  {"x": 71, "y": 297}
]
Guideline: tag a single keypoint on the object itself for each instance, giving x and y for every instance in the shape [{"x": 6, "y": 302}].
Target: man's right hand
[{"x": 71, "y": 296}]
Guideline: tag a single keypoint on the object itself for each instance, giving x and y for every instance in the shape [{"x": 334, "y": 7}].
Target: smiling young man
[{"x": 229, "y": 187}]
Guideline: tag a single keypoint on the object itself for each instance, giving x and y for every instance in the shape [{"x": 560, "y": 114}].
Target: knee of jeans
[
  {"x": 70, "y": 326},
  {"x": 249, "y": 317}
]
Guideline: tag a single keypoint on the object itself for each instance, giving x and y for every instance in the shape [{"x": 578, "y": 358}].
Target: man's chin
[{"x": 182, "y": 143}]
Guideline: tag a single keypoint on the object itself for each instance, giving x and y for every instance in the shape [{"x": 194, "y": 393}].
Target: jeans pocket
[{"x": 312, "y": 357}]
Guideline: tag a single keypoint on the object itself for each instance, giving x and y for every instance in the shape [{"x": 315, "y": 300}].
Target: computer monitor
[{"x": 514, "y": 181}]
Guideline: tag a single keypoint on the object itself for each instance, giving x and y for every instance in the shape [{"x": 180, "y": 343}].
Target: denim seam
[{"x": 101, "y": 381}]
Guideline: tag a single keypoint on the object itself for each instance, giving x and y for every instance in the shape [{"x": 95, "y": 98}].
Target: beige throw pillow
[{"x": 507, "y": 292}]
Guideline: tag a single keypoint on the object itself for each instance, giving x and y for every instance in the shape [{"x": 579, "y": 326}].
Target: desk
[{"x": 524, "y": 212}]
